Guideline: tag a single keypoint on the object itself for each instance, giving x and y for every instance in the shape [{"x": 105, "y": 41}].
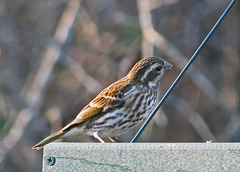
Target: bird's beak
[{"x": 167, "y": 66}]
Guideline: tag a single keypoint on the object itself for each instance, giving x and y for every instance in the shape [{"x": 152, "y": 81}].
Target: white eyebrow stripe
[{"x": 148, "y": 70}]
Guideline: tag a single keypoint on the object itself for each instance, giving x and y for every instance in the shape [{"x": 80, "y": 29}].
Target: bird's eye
[{"x": 158, "y": 68}]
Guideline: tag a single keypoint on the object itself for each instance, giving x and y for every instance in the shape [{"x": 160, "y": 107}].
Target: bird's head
[{"x": 149, "y": 71}]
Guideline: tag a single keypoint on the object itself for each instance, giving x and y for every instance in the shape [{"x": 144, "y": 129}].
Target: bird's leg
[
  {"x": 95, "y": 134},
  {"x": 114, "y": 139}
]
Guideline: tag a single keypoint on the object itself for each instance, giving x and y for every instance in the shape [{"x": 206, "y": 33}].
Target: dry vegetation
[{"x": 55, "y": 56}]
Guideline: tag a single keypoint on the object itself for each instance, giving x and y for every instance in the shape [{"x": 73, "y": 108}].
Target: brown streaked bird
[{"x": 119, "y": 107}]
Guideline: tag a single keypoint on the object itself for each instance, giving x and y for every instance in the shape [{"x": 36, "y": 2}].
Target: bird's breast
[{"x": 136, "y": 108}]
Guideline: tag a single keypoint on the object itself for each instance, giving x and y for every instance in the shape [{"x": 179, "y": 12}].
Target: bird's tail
[{"x": 49, "y": 139}]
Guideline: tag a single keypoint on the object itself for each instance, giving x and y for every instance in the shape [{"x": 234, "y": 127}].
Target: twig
[
  {"x": 82, "y": 76},
  {"x": 152, "y": 36},
  {"x": 194, "y": 118},
  {"x": 155, "y": 38},
  {"x": 150, "y": 28},
  {"x": 34, "y": 94}
]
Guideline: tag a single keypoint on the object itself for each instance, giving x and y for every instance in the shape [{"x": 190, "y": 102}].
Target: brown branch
[
  {"x": 194, "y": 118},
  {"x": 82, "y": 76},
  {"x": 34, "y": 92},
  {"x": 155, "y": 38}
]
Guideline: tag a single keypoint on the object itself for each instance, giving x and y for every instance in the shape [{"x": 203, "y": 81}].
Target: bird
[{"x": 120, "y": 106}]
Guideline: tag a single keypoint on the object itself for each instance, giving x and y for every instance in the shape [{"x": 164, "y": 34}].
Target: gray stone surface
[{"x": 142, "y": 157}]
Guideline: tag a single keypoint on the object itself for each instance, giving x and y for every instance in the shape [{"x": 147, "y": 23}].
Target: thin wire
[{"x": 184, "y": 70}]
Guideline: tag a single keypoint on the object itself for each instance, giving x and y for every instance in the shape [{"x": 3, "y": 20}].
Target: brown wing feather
[{"x": 105, "y": 100}]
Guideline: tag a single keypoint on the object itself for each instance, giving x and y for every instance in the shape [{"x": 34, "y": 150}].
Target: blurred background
[{"x": 55, "y": 56}]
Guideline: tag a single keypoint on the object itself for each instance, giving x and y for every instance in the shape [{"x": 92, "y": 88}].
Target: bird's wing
[{"x": 109, "y": 98}]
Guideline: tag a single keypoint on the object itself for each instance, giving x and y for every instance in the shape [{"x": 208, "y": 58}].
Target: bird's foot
[
  {"x": 114, "y": 139},
  {"x": 95, "y": 134}
]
